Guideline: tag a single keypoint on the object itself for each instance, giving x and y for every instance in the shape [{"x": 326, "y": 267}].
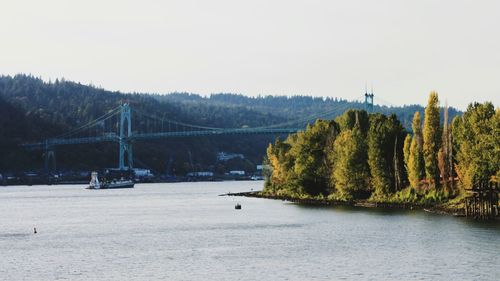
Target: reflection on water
[{"x": 184, "y": 231}]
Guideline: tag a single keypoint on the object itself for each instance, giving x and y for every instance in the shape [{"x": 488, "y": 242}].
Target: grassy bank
[{"x": 450, "y": 207}]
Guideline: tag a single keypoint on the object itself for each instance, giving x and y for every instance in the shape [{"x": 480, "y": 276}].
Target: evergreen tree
[{"x": 432, "y": 139}]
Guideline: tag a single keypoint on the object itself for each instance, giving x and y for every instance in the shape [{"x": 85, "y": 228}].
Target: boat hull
[
  {"x": 111, "y": 186},
  {"x": 114, "y": 185}
]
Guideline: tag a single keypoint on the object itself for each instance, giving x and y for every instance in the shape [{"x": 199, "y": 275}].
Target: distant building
[
  {"x": 142, "y": 173},
  {"x": 224, "y": 156},
  {"x": 200, "y": 174},
  {"x": 237, "y": 173}
]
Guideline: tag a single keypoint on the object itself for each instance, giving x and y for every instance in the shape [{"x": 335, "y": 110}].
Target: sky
[{"x": 405, "y": 49}]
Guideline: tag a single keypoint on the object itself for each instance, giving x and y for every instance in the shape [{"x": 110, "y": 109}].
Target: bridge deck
[{"x": 152, "y": 136}]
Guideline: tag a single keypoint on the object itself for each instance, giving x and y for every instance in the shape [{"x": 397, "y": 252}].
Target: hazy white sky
[{"x": 320, "y": 48}]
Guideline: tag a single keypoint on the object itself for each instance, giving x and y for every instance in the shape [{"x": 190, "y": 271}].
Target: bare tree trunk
[
  {"x": 397, "y": 172},
  {"x": 445, "y": 150}
]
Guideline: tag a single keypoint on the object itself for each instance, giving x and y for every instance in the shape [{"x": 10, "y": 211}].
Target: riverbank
[
  {"x": 442, "y": 209},
  {"x": 85, "y": 180}
]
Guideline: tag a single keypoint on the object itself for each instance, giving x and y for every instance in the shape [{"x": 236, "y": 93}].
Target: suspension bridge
[{"x": 116, "y": 126}]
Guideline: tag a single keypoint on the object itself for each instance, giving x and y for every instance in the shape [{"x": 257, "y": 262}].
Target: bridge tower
[
  {"x": 50, "y": 158},
  {"x": 369, "y": 101},
  {"x": 125, "y": 134}
]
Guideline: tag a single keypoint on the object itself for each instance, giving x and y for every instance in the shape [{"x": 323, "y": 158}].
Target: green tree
[
  {"x": 432, "y": 139},
  {"x": 478, "y": 137},
  {"x": 351, "y": 172},
  {"x": 278, "y": 157},
  {"x": 378, "y": 144},
  {"x": 445, "y": 153},
  {"x": 406, "y": 150},
  {"x": 311, "y": 163},
  {"x": 415, "y": 159},
  {"x": 384, "y": 154},
  {"x": 354, "y": 118}
]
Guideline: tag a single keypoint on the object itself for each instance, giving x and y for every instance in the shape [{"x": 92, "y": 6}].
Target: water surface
[{"x": 185, "y": 231}]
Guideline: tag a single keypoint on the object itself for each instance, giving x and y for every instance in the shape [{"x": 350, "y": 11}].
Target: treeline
[
  {"x": 290, "y": 107},
  {"x": 68, "y": 104},
  {"x": 372, "y": 156}
]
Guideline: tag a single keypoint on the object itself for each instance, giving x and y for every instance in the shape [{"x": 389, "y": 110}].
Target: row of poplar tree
[{"x": 360, "y": 155}]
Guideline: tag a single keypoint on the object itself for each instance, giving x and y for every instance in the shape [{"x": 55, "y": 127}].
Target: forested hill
[
  {"x": 294, "y": 106},
  {"x": 32, "y": 110},
  {"x": 68, "y": 104}
]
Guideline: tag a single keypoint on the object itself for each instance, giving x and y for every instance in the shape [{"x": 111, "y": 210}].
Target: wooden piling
[{"x": 481, "y": 201}]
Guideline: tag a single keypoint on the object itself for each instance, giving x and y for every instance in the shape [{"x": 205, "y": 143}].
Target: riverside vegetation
[{"x": 372, "y": 157}]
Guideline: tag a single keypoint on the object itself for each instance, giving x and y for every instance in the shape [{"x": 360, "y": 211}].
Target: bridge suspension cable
[
  {"x": 311, "y": 117},
  {"x": 177, "y": 122},
  {"x": 90, "y": 124},
  {"x": 299, "y": 121},
  {"x": 385, "y": 102}
]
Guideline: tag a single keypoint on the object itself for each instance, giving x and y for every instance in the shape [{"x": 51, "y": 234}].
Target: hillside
[
  {"x": 40, "y": 110},
  {"x": 33, "y": 110}
]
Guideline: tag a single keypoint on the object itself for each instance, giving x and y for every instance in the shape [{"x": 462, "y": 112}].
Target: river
[{"x": 185, "y": 231}]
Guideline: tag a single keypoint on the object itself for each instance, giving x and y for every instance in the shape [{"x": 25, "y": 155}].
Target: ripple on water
[
  {"x": 14, "y": 235},
  {"x": 186, "y": 231}
]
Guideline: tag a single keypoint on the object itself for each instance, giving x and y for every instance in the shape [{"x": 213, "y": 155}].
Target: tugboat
[{"x": 121, "y": 183}]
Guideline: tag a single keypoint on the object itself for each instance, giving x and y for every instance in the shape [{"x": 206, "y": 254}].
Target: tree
[
  {"x": 383, "y": 153},
  {"x": 457, "y": 135},
  {"x": 415, "y": 159},
  {"x": 354, "y": 118},
  {"x": 311, "y": 165},
  {"x": 351, "y": 173},
  {"x": 377, "y": 144},
  {"x": 477, "y": 134},
  {"x": 281, "y": 163},
  {"x": 445, "y": 153},
  {"x": 432, "y": 139},
  {"x": 406, "y": 150}
]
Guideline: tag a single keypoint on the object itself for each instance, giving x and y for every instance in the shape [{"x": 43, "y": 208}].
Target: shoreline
[{"x": 435, "y": 209}]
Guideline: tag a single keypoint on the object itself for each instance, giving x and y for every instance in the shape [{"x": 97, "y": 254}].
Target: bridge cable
[
  {"x": 89, "y": 124},
  {"x": 296, "y": 121},
  {"x": 177, "y": 122}
]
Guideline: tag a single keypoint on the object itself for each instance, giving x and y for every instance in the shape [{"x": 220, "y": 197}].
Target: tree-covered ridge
[
  {"x": 33, "y": 110},
  {"x": 69, "y": 104},
  {"x": 371, "y": 156},
  {"x": 292, "y": 106}
]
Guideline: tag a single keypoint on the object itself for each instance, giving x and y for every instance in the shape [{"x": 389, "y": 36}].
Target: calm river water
[{"x": 185, "y": 231}]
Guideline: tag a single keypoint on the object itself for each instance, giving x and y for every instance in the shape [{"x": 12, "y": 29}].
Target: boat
[
  {"x": 237, "y": 206},
  {"x": 96, "y": 184}
]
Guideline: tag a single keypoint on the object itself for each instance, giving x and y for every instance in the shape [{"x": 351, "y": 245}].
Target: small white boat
[
  {"x": 121, "y": 183},
  {"x": 94, "y": 181}
]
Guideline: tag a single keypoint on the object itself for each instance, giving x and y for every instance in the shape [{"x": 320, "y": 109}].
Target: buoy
[{"x": 34, "y": 230}]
